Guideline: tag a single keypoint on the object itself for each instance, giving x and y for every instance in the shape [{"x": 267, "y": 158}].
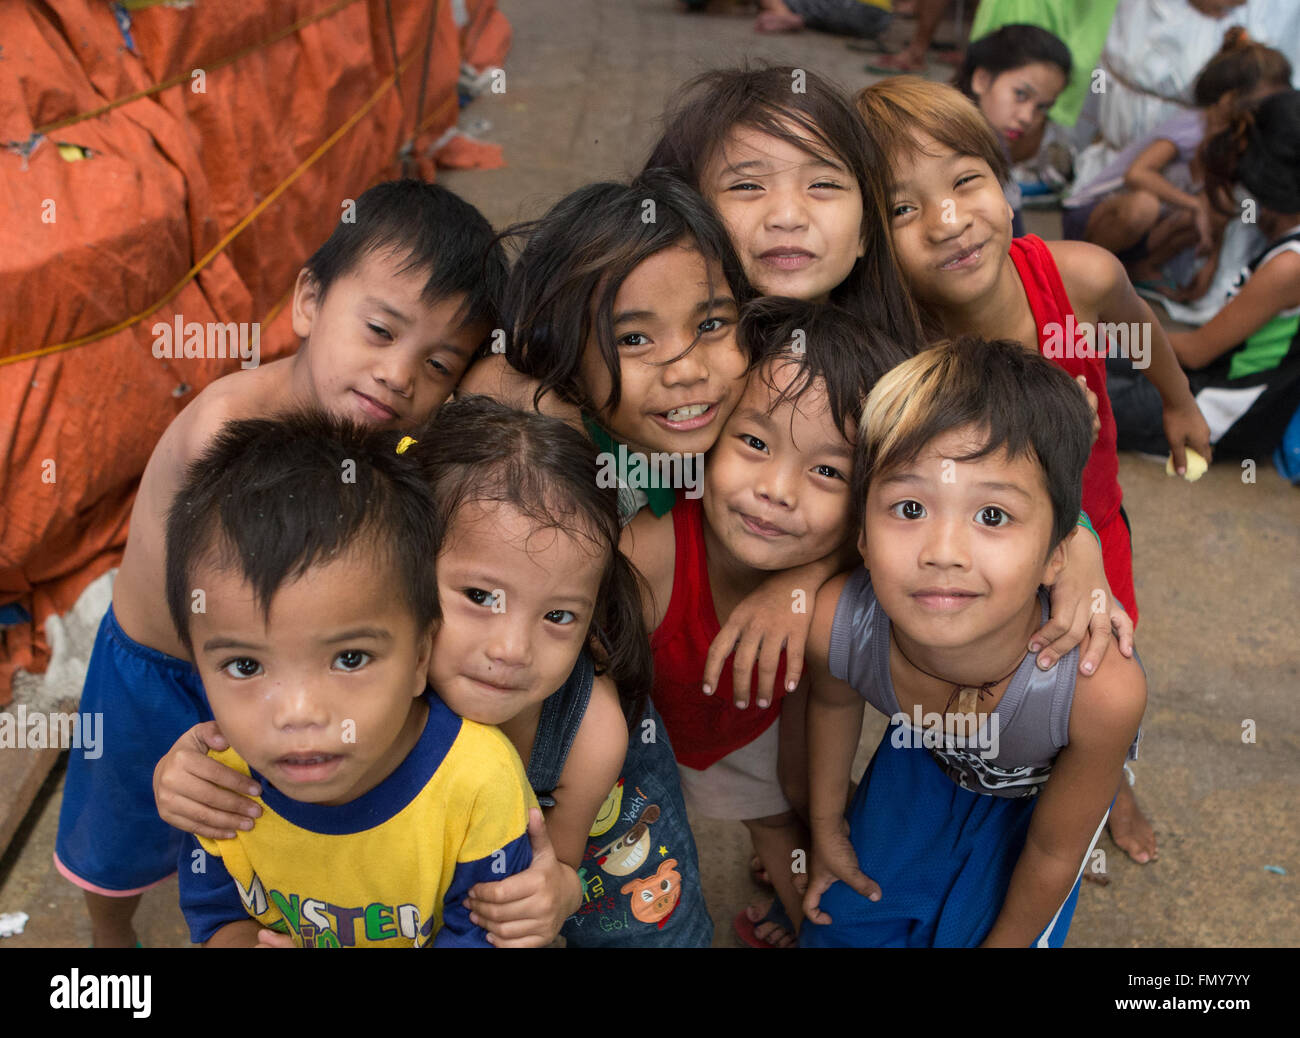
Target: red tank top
[
  {"x": 703, "y": 729},
  {"x": 1102, "y": 495}
]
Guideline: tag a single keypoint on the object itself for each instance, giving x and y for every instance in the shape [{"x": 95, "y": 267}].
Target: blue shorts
[
  {"x": 111, "y": 840},
  {"x": 943, "y": 857},
  {"x": 641, "y": 872}
]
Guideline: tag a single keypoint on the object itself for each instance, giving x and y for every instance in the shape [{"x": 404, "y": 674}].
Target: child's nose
[
  {"x": 508, "y": 645},
  {"x": 777, "y": 484},
  {"x": 397, "y": 370},
  {"x": 945, "y": 545},
  {"x": 689, "y": 364},
  {"x": 787, "y": 210},
  {"x": 295, "y": 705}
]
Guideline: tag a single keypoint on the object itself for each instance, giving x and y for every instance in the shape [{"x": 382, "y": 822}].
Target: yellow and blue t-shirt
[{"x": 389, "y": 869}]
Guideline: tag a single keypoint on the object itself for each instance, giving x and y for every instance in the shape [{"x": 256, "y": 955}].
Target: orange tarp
[{"x": 191, "y": 172}]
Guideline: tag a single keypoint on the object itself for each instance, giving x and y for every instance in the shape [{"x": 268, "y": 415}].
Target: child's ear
[
  {"x": 1056, "y": 561},
  {"x": 424, "y": 662},
  {"x": 980, "y": 81},
  {"x": 862, "y": 542},
  {"x": 306, "y": 301}
]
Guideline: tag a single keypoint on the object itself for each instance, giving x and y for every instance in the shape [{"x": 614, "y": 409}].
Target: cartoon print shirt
[{"x": 388, "y": 869}]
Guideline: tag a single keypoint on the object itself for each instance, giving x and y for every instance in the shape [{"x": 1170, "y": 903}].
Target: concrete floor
[{"x": 1216, "y": 562}]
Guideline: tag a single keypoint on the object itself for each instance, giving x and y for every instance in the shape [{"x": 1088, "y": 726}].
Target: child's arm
[
  {"x": 192, "y": 790},
  {"x": 1104, "y": 719},
  {"x": 210, "y": 902},
  {"x": 492, "y": 376},
  {"x": 1272, "y": 288},
  {"x": 528, "y": 910},
  {"x": 1098, "y": 285},
  {"x": 773, "y": 618},
  {"x": 1145, "y": 175},
  {"x": 834, "y": 723}
]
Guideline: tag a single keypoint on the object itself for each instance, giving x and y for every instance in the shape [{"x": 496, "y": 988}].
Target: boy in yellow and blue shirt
[{"x": 299, "y": 576}]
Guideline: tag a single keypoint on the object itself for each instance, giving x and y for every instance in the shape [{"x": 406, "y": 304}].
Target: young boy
[
  {"x": 989, "y": 788},
  {"x": 1071, "y": 301},
  {"x": 389, "y": 311},
  {"x": 299, "y": 575}
]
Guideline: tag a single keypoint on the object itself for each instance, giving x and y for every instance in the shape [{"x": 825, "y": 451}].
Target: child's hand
[
  {"x": 271, "y": 939},
  {"x": 1081, "y": 616},
  {"x": 1185, "y": 427},
  {"x": 763, "y": 624},
  {"x": 834, "y": 858},
  {"x": 1091, "y": 397},
  {"x": 527, "y": 910},
  {"x": 192, "y": 790}
]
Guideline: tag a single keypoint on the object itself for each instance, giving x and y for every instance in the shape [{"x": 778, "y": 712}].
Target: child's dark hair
[
  {"x": 1260, "y": 149},
  {"x": 269, "y": 498},
  {"x": 1021, "y": 402},
  {"x": 578, "y": 255},
  {"x": 1009, "y": 48},
  {"x": 436, "y": 232},
  {"x": 475, "y": 449},
  {"x": 1241, "y": 65},
  {"x": 820, "y": 121},
  {"x": 827, "y": 342}
]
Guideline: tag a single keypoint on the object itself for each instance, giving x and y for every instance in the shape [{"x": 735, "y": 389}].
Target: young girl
[
  {"x": 781, "y": 155},
  {"x": 1015, "y": 75},
  {"x": 952, "y": 235},
  {"x": 1246, "y": 360},
  {"x": 535, "y": 598},
  {"x": 1146, "y": 206},
  {"x": 980, "y": 807},
  {"x": 775, "y": 497}
]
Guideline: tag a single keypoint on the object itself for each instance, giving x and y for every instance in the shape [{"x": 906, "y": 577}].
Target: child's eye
[
  {"x": 746, "y": 186},
  {"x": 480, "y": 597},
  {"x": 753, "y": 441},
  {"x": 826, "y": 184},
  {"x": 561, "y": 616},
  {"x": 1022, "y": 94},
  {"x": 901, "y": 209},
  {"x": 829, "y": 471},
  {"x": 351, "y": 659},
  {"x": 242, "y": 668},
  {"x": 967, "y": 179},
  {"x": 627, "y": 340},
  {"x": 712, "y": 324},
  {"x": 380, "y": 331},
  {"x": 908, "y": 510},
  {"x": 993, "y": 516},
  {"x": 439, "y": 366}
]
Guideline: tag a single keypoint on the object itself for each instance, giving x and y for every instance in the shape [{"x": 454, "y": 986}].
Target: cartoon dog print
[{"x": 626, "y": 854}]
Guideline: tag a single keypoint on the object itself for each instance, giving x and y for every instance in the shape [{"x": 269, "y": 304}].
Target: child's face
[
  {"x": 1018, "y": 100},
  {"x": 322, "y": 699},
  {"x": 950, "y": 222},
  {"x": 660, "y": 308},
  {"x": 956, "y": 548},
  {"x": 375, "y": 350},
  {"x": 795, "y": 220},
  {"x": 776, "y": 489},
  {"x": 517, "y": 603}
]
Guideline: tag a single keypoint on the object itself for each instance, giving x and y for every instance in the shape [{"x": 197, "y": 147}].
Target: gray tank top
[{"x": 1012, "y": 753}]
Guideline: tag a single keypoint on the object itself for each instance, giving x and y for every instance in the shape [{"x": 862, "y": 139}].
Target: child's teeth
[{"x": 681, "y": 414}]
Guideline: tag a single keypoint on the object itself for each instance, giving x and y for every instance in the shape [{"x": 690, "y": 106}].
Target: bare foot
[
  {"x": 1129, "y": 827},
  {"x": 775, "y": 934},
  {"x": 778, "y": 21},
  {"x": 903, "y": 61},
  {"x": 757, "y": 873}
]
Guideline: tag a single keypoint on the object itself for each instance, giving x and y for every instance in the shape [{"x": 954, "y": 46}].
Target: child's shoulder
[
  {"x": 1109, "y": 702},
  {"x": 600, "y": 744},
  {"x": 492, "y": 376},
  {"x": 253, "y": 393},
  {"x": 1089, "y": 273},
  {"x": 825, "y": 607},
  {"x": 649, "y": 542}
]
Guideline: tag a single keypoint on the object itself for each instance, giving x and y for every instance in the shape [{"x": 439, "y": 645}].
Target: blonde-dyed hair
[
  {"x": 1019, "y": 402},
  {"x": 899, "y": 108}
]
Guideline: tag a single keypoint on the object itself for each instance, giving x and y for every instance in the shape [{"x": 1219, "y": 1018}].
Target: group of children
[{"x": 427, "y": 674}]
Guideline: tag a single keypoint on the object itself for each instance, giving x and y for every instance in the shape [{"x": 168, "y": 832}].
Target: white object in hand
[{"x": 1196, "y": 466}]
